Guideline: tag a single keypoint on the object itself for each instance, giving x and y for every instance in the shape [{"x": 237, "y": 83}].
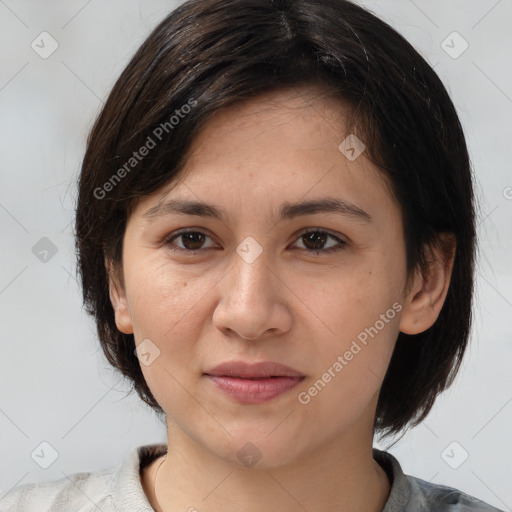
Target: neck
[{"x": 341, "y": 475}]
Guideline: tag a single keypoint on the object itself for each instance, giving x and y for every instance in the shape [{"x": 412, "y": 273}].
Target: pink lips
[{"x": 254, "y": 383}]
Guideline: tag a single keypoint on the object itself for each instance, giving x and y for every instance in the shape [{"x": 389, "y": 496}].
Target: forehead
[
  {"x": 272, "y": 151},
  {"x": 278, "y": 117}
]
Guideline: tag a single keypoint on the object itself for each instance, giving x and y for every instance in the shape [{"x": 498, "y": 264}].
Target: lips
[
  {"x": 259, "y": 370},
  {"x": 254, "y": 383}
]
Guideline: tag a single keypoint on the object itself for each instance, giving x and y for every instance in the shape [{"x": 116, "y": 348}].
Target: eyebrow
[{"x": 287, "y": 211}]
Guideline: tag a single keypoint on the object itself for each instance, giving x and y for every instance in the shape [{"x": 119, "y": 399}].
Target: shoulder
[
  {"x": 442, "y": 498},
  {"x": 86, "y": 492},
  {"x": 412, "y": 494},
  {"x": 109, "y": 490}
]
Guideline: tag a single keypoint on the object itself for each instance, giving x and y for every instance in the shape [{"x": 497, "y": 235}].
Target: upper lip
[{"x": 247, "y": 370}]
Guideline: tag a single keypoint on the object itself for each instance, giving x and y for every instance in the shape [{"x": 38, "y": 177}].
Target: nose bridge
[
  {"x": 251, "y": 273},
  {"x": 249, "y": 304}
]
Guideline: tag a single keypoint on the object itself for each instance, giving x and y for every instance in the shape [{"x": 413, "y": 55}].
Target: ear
[
  {"x": 428, "y": 292},
  {"x": 118, "y": 298}
]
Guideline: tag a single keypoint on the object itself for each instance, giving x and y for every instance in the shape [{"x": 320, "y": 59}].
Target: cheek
[
  {"x": 352, "y": 357},
  {"x": 358, "y": 319},
  {"x": 164, "y": 299},
  {"x": 351, "y": 299},
  {"x": 168, "y": 308}
]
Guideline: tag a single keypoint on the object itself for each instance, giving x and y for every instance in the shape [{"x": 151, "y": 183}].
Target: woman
[{"x": 275, "y": 234}]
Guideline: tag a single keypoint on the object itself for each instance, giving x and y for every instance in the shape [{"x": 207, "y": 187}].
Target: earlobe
[
  {"x": 118, "y": 300},
  {"x": 428, "y": 293}
]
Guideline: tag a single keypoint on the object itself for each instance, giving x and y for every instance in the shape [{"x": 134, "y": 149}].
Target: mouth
[
  {"x": 254, "y": 383},
  {"x": 260, "y": 370}
]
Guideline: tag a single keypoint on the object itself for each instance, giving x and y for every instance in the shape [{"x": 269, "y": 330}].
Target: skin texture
[{"x": 289, "y": 305}]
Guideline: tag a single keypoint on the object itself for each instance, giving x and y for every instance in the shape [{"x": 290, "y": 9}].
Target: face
[{"x": 318, "y": 290}]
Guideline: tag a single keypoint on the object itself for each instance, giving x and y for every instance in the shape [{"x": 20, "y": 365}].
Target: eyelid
[
  {"x": 339, "y": 236},
  {"x": 341, "y": 239},
  {"x": 176, "y": 234}
]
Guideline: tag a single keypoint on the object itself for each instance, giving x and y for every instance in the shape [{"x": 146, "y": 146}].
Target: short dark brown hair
[{"x": 209, "y": 54}]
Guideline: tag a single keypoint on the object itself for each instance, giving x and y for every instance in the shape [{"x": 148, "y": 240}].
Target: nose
[{"x": 253, "y": 301}]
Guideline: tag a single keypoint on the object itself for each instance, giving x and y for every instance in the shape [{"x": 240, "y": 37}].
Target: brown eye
[
  {"x": 315, "y": 241},
  {"x": 191, "y": 241}
]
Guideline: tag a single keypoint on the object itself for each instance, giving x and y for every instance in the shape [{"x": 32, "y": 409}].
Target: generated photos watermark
[
  {"x": 152, "y": 141},
  {"x": 304, "y": 397}
]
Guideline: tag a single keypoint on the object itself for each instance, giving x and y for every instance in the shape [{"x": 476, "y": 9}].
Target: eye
[
  {"x": 192, "y": 240},
  {"x": 312, "y": 240}
]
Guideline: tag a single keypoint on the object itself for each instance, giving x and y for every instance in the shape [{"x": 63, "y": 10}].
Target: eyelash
[{"x": 341, "y": 243}]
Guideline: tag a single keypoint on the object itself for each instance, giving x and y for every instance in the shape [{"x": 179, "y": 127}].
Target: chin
[{"x": 258, "y": 451}]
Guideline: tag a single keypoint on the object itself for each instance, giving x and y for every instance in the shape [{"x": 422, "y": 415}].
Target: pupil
[
  {"x": 189, "y": 237},
  {"x": 314, "y": 240},
  {"x": 317, "y": 239}
]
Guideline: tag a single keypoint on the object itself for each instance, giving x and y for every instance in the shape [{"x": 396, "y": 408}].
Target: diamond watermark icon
[
  {"x": 44, "y": 250},
  {"x": 352, "y": 147},
  {"x": 249, "y": 250},
  {"x": 454, "y": 45},
  {"x": 454, "y": 455},
  {"x": 147, "y": 352},
  {"x": 44, "y": 455},
  {"x": 249, "y": 454},
  {"x": 44, "y": 45}
]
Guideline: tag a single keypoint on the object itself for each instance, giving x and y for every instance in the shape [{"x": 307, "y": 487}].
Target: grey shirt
[{"x": 119, "y": 489}]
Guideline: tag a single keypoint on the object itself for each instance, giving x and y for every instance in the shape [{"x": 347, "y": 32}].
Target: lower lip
[{"x": 254, "y": 391}]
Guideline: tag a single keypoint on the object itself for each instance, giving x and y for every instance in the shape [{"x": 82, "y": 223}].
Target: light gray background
[{"x": 55, "y": 385}]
